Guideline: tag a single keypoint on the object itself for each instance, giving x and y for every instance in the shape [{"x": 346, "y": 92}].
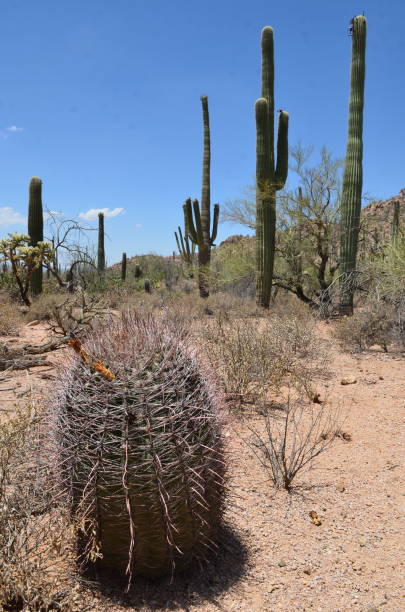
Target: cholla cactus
[
  {"x": 24, "y": 260},
  {"x": 140, "y": 455}
]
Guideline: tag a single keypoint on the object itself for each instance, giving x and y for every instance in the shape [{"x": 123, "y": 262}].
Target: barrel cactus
[{"x": 140, "y": 456}]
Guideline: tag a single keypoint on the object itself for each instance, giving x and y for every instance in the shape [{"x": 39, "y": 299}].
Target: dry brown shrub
[
  {"x": 42, "y": 306},
  {"x": 257, "y": 357},
  {"x": 11, "y": 319},
  {"x": 35, "y": 542},
  {"x": 293, "y": 438},
  {"x": 366, "y": 327}
]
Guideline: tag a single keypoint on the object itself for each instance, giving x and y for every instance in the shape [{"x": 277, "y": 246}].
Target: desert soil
[{"x": 274, "y": 557}]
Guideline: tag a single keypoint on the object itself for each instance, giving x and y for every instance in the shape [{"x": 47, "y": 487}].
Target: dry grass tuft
[
  {"x": 34, "y": 534},
  {"x": 11, "y": 319}
]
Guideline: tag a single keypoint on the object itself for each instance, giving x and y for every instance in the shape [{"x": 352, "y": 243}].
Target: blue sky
[{"x": 101, "y": 99}]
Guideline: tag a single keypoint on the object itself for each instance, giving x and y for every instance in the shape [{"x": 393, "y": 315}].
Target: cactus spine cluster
[
  {"x": 199, "y": 228},
  {"x": 140, "y": 452},
  {"x": 124, "y": 267},
  {"x": 270, "y": 174},
  {"x": 100, "y": 249},
  {"x": 35, "y": 227},
  {"x": 353, "y": 172}
]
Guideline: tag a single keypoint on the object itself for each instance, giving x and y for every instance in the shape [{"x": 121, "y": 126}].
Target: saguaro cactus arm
[
  {"x": 206, "y": 186},
  {"x": 215, "y": 224},
  {"x": 282, "y": 150}
]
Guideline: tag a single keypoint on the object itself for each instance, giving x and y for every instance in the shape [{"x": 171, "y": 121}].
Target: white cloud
[
  {"x": 9, "y": 216},
  {"x": 14, "y": 128},
  {"x": 91, "y": 214},
  {"x": 138, "y": 225}
]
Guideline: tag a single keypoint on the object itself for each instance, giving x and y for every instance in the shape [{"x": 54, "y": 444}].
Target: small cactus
[
  {"x": 139, "y": 448},
  {"x": 146, "y": 285},
  {"x": 138, "y": 271}
]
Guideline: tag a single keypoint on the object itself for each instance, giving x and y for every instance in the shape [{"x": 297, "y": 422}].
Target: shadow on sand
[{"x": 188, "y": 588}]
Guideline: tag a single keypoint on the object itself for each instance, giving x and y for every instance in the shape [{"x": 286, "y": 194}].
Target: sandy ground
[{"x": 274, "y": 557}]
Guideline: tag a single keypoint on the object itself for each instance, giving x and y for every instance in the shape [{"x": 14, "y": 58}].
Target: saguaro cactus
[
  {"x": 353, "y": 172},
  {"x": 100, "y": 250},
  {"x": 395, "y": 221},
  {"x": 199, "y": 229},
  {"x": 35, "y": 227},
  {"x": 270, "y": 175},
  {"x": 124, "y": 266}
]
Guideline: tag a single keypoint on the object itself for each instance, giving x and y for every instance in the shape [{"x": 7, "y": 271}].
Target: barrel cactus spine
[
  {"x": 35, "y": 227},
  {"x": 100, "y": 249},
  {"x": 270, "y": 174},
  {"x": 353, "y": 171},
  {"x": 140, "y": 452}
]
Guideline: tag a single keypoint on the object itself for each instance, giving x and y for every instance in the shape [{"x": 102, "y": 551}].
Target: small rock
[
  {"x": 282, "y": 563},
  {"x": 307, "y": 570},
  {"x": 341, "y": 486},
  {"x": 362, "y": 542},
  {"x": 349, "y": 380},
  {"x": 381, "y": 377}
]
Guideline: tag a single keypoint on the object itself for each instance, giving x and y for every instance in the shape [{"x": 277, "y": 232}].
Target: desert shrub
[
  {"x": 233, "y": 268},
  {"x": 380, "y": 314},
  {"x": 42, "y": 307},
  {"x": 11, "y": 319},
  {"x": 35, "y": 540},
  {"x": 372, "y": 324},
  {"x": 257, "y": 356},
  {"x": 294, "y": 437}
]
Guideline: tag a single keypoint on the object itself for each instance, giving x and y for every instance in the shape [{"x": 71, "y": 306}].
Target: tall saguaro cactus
[
  {"x": 270, "y": 174},
  {"x": 100, "y": 250},
  {"x": 353, "y": 172},
  {"x": 199, "y": 229},
  {"x": 35, "y": 227}
]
